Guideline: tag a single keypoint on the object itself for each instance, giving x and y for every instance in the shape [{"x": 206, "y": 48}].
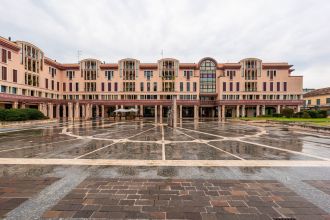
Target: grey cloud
[{"x": 295, "y": 31}]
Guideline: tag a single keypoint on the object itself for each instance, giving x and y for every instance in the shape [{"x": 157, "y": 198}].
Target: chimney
[{"x": 9, "y": 38}]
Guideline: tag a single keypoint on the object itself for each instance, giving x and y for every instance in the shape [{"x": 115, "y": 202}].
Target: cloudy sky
[{"x": 294, "y": 31}]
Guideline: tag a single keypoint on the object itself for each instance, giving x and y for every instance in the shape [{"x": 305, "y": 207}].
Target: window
[
  {"x": 148, "y": 74},
  {"x": 116, "y": 87},
  {"x": 69, "y": 74},
  {"x": 309, "y": 102},
  {"x": 102, "y": 87},
  {"x": 4, "y": 73},
  {"x": 264, "y": 87},
  {"x": 188, "y": 74},
  {"x": 181, "y": 86},
  {"x": 46, "y": 83},
  {"x": 318, "y": 101},
  {"x": 4, "y": 56},
  {"x": 148, "y": 86},
  {"x": 237, "y": 86},
  {"x": 108, "y": 74},
  {"x": 64, "y": 87},
  {"x": 9, "y": 55},
  {"x": 109, "y": 87},
  {"x": 70, "y": 87},
  {"x": 188, "y": 86},
  {"x": 77, "y": 87},
  {"x": 58, "y": 86},
  {"x": 15, "y": 76},
  {"x": 53, "y": 85},
  {"x": 278, "y": 86},
  {"x": 224, "y": 86},
  {"x": 195, "y": 87},
  {"x": 285, "y": 86},
  {"x": 328, "y": 100},
  {"x": 207, "y": 76},
  {"x": 231, "y": 86},
  {"x": 271, "y": 86},
  {"x": 141, "y": 86},
  {"x": 155, "y": 87}
]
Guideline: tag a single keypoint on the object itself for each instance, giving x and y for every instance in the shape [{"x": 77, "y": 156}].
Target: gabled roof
[{"x": 318, "y": 92}]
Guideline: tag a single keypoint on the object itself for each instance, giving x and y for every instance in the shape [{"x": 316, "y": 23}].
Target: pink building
[{"x": 92, "y": 88}]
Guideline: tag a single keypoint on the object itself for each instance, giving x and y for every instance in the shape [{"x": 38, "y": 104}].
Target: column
[
  {"x": 70, "y": 111},
  {"x": 58, "y": 111},
  {"x": 263, "y": 110},
  {"x": 243, "y": 111},
  {"x": 44, "y": 108},
  {"x": 102, "y": 111},
  {"x": 97, "y": 111},
  {"x": 116, "y": 107},
  {"x": 219, "y": 113},
  {"x": 213, "y": 112},
  {"x": 15, "y": 105},
  {"x": 195, "y": 111},
  {"x": 77, "y": 111},
  {"x": 64, "y": 111},
  {"x": 83, "y": 111},
  {"x": 90, "y": 113},
  {"x": 180, "y": 113},
  {"x": 23, "y": 105},
  {"x": 175, "y": 113},
  {"x": 298, "y": 108},
  {"x": 40, "y": 107},
  {"x": 155, "y": 113},
  {"x": 141, "y": 110},
  {"x": 161, "y": 114},
  {"x": 223, "y": 112},
  {"x": 258, "y": 110},
  {"x": 278, "y": 109},
  {"x": 50, "y": 111},
  {"x": 237, "y": 111},
  {"x": 87, "y": 111}
]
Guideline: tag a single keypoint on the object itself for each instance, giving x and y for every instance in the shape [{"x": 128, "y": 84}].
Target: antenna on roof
[{"x": 79, "y": 52}]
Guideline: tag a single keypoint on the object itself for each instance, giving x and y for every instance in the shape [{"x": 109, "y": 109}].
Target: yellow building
[{"x": 318, "y": 99}]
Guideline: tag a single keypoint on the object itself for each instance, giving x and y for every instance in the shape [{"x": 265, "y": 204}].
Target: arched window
[{"x": 207, "y": 70}]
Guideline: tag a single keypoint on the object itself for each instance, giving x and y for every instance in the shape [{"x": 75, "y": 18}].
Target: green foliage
[
  {"x": 20, "y": 114},
  {"x": 287, "y": 112},
  {"x": 317, "y": 113}
]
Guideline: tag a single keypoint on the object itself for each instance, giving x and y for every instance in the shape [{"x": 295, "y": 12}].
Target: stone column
[
  {"x": 263, "y": 110},
  {"x": 15, "y": 105},
  {"x": 87, "y": 111},
  {"x": 116, "y": 107},
  {"x": 219, "y": 113},
  {"x": 196, "y": 112},
  {"x": 141, "y": 110},
  {"x": 58, "y": 111},
  {"x": 278, "y": 109},
  {"x": 155, "y": 113},
  {"x": 64, "y": 111},
  {"x": 50, "y": 111},
  {"x": 175, "y": 113},
  {"x": 77, "y": 111},
  {"x": 243, "y": 111},
  {"x": 213, "y": 112},
  {"x": 83, "y": 111},
  {"x": 223, "y": 112},
  {"x": 161, "y": 114},
  {"x": 102, "y": 111},
  {"x": 97, "y": 111},
  {"x": 70, "y": 111},
  {"x": 180, "y": 113},
  {"x": 45, "y": 109},
  {"x": 237, "y": 111},
  {"x": 23, "y": 105},
  {"x": 298, "y": 108},
  {"x": 258, "y": 110},
  {"x": 90, "y": 113},
  {"x": 40, "y": 108}
]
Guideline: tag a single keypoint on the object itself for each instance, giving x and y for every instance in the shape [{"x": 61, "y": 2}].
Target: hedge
[
  {"x": 20, "y": 114},
  {"x": 289, "y": 113}
]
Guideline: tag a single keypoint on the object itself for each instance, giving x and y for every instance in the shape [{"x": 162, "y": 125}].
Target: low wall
[{"x": 8, "y": 124}]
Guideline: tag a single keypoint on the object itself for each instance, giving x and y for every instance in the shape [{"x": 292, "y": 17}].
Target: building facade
[
  {"x": 318, "y": 99},
  {"x": 93, "y": 88}
]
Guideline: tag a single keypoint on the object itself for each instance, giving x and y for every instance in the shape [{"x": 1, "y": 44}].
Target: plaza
[{"x": 146, "y": 170}]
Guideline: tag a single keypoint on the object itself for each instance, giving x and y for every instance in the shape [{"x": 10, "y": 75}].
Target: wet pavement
[{"x": 200, "y": 170}]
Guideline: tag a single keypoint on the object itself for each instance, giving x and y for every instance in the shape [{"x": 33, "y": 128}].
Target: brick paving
[
  {"x": 183, "y": 199},
  {"x": 323, "y": 185},
  {"x": 15, "y": 191}
]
